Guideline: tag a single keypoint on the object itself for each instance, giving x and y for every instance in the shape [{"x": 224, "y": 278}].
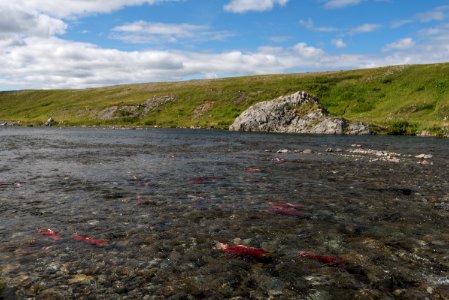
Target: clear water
[{"x": 162, "y": 198}]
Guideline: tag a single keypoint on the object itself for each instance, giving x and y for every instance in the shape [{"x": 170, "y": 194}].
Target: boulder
[
  {"x": 296, "y": 113},
  {"x": 50, "y": 122},
  {"x": 357, "y": 129}
]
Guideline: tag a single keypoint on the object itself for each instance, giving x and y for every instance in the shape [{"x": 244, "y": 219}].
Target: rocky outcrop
[
  {"x": 296, "y": 113},
  {"x": 115, "y": 112}
]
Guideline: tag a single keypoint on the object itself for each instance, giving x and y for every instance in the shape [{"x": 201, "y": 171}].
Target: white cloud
[
  {"x": 437, "y": 14},
  {"x": 339, "y": 43},
  {"x": 431, "y": 16},
  {"x": 16, "y": 21},
  {"x": 182, "y": 29},
  {"x": 341, "y": 3},
  {"x": 279, "y": 39},
  {"x": 309, "y": 24},
  {"x": 71, "y": 8},
  {"x": 365, "y": 28},
  {"x": 243, "y": 6},
  {"x": 400, "y": 23},
  {"x": 307, "y": 51},
  {"x": 56, "y": 63},
  {"x": 154, "y": 33},
  {"x": 402, "y": 44},
  {"x": 438, "y": 33}
]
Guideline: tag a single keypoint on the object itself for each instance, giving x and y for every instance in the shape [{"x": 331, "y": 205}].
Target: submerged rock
[{"x": 296, "y": 113}]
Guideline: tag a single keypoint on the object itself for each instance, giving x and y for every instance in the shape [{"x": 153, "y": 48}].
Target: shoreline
[{"x": 423, "y": 133}]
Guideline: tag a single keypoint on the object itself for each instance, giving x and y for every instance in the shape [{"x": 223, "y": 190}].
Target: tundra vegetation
[{"x": 394, "y": 100}]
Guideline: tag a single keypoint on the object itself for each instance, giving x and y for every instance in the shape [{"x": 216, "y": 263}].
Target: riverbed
[{"x": 94, "y": 213}]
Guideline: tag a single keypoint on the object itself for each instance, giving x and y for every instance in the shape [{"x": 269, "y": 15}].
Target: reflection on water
[{"x": 161, "y": 200}]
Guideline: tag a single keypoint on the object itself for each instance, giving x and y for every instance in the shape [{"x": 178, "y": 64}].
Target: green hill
[{"x": 396, "y": 100}]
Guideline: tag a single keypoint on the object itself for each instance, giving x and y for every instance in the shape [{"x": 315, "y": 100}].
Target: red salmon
[
  {"x": 253, "y": 170},
  {"x": 287, "y": 205},
  {"x": 325, "y": 259},
  {"x": 241, "y": 250},
  {"x": 50, "y": 233},
  {"x": 89, "y": 240}
]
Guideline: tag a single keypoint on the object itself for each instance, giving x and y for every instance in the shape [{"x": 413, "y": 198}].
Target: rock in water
[{"x": 296, "y": 113}]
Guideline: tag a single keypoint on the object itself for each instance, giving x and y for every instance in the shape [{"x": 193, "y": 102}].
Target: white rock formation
[{"x": 296, "y": 113}]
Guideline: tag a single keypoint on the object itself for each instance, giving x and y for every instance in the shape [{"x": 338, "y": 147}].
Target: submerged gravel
[{"x": 160, "y": 200}]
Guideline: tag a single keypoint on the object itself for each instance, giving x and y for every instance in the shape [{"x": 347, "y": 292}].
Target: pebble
[
  {"x": 282, "y": 151},
  {"x": 93, "y": 222},
  {"x": 80, "y": 278},
  {"x": 307, "y": 151},
  {"x": 424, "y": 156}
]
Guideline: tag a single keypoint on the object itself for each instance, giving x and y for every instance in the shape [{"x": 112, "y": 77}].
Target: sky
[{"x": 49, "y": 44}]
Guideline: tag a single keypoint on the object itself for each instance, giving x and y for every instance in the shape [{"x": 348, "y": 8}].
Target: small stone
[
  {"x": 329, "y": 150},
  {"x": 424, "y": 156},
  {"x": 274, "y": 293},
  {"x": 237, "y": 241},
  {"x": 246, "y": 242},
  {"x": 81, "y": 278},
  {"x": 439, "y": 243},
  {"x": 93, "y": 222},
  {"x": 394, "y": 160},
  {"x": 398, "y": 292},
  {"x": 53, "y": 266},
  {"x": 282, "y": 151},
  {"x": 307, "y": 151}
]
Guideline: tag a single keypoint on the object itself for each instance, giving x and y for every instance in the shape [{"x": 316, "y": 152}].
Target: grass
[{"x": 396, "y": 100}]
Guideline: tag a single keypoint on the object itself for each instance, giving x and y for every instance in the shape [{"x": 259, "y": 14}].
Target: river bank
[{"x": 407, "y": 99}]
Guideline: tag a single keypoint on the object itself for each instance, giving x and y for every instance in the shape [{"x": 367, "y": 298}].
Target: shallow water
[{"x": 162, "y": 198}]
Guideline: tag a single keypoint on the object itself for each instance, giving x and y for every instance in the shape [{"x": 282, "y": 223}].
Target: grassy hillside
[{"x": 400, "y": 99}]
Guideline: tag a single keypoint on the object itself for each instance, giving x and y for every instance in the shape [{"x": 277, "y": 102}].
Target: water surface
[{"x": 162, "y": 198}]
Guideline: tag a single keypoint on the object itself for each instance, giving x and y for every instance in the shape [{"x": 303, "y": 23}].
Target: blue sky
[{"x": 89, "y": 43}]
